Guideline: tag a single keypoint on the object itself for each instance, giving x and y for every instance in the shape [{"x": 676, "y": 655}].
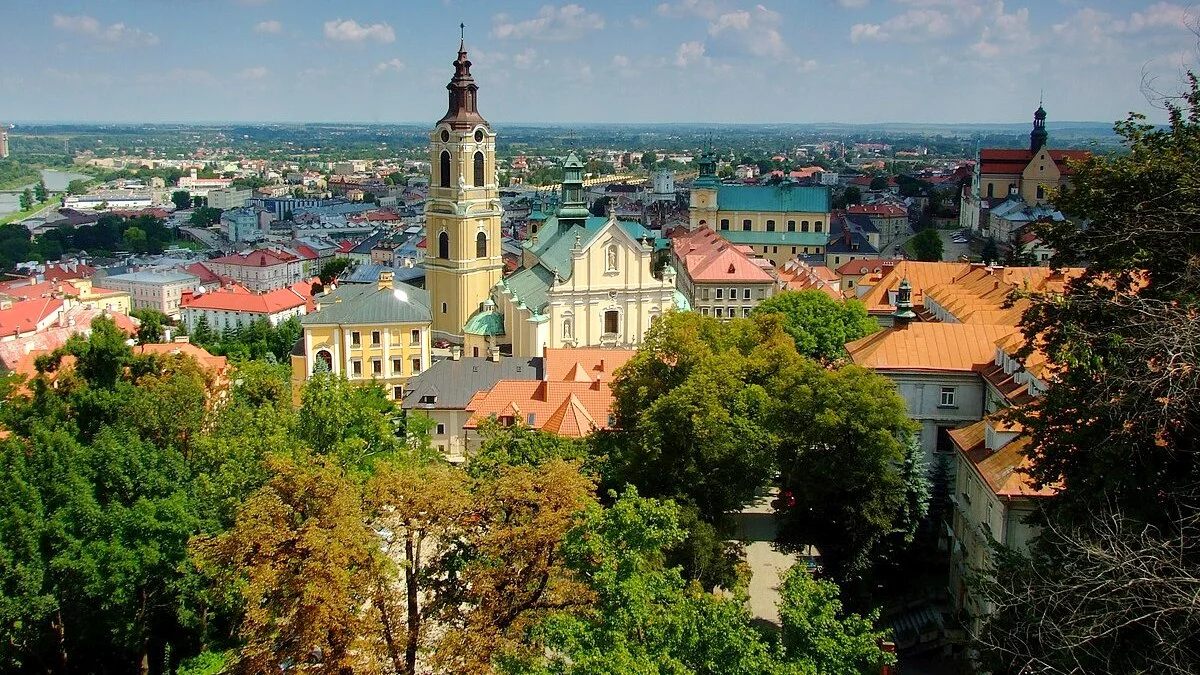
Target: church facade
[{"x": 583, "y": 281}]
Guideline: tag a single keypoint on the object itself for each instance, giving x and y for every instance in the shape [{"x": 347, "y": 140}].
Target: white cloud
[
  {"x": 523, "y": 60},
  {"x": 688, "y": 53},
  {"x": 255, "y": 73},
  {"x": 394, "y": 65},
  {"x": 1008, "y": 34},
  {"x": 865, "y": 31},
  {"x": 853, "y": 4},
  {"x": 550, "y": 23},
  {"x": 114, "y": 34},
  {"x": 350, "y": 30},
  {"x": 808, "y": 66},
  {"x": 271, "y": 27},
  {"x": 620, "y": 61},
  {"x": 754, "y": 32},
  {"x": 705, "y": 9},
  {"x": 1160, "y": 15}
]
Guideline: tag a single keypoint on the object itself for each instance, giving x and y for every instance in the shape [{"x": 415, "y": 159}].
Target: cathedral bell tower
[
  {"x": 702, "y": 211},
  {"x": 463, "y": 258},
  {"x": 1038, "y": 137}
]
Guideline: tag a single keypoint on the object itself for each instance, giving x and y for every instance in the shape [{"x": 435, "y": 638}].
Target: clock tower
[{"x": 463, "y": 257}]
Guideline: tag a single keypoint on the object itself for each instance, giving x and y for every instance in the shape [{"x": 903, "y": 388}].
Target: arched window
[
  {"x": 791, "y": 226},
  {"x": 804, "y": 226},
  {"x": 612, "y": 321},
  {"x": 770, "y": 226},
  {"x": 481, "y": 245},
  {"x": 445, "y": 169},
  {"x": 724, "y": 223},
  {"x": 703, "y": 223},
  {"x": 479, "y": 169},
  {"x": 746, "y": 225},
  {"x": 323, "y": 362},
  {"x": 444, "y": 245},
  {"x": 817, "y": 226}
]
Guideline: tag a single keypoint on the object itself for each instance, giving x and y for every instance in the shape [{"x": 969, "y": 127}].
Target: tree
[
  {"x": 153, "y": 322},
  {"x": 77, "y": 186},
  {"x": 599, "y": 207},
  {"x": 40, "y": 192},
  {"x": 182, "y": 199},
  {"x": 26, "y": 200},
  {"x": 879, "y": 183},
  {"x": 1115, "y": 429},
  {"x": 204, "y": 216},
  {"x": 840, "y": 453},
  {"x": 333, "y": 269},
  {"x": 134, "y": 239},
  {"x": 307, "y": 568},
  {"x": 852, "y": 195},
  {"x": 927, "y": 245},
  {"x": 816, "y": 633},
  {"x": 990, "y": 252},
  {"x": 819, "y": 325},
  {"x": 649, "y": 160}
]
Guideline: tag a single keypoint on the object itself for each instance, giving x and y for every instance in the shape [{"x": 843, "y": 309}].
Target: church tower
[
  {"x": 463, "y": 258},
  {"x": 702, "y": 211},
  {"x": 1038, "y": 137}
]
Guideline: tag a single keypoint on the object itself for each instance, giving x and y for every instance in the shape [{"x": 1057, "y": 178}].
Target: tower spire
[
  {"x": 1038, "y": 137},
  {"x": 463, "y": 110}
]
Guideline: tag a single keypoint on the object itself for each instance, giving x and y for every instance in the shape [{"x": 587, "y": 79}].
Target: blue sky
[{"x": 613, "y": 61}]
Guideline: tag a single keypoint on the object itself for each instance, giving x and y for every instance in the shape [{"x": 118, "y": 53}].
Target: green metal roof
[
  {"x": 681, "y": 301},
  {"x": 782, "y": 198},
  {"x": 530, "y": 286},
  {"x": 368, "y": 304},
  {"x": 485, "y": 323},
  {"x": 755, "y": 238}
]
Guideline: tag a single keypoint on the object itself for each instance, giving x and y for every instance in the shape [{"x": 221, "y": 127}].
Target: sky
[{"x": 634, "y": 61}]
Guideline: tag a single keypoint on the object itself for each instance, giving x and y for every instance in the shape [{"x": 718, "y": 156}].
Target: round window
[
  {"x": 445, "y": 135},
  {"x": 479, "y": 135}
]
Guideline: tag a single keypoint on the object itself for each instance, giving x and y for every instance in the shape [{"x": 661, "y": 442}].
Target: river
[{"x": 56, "y": 181}]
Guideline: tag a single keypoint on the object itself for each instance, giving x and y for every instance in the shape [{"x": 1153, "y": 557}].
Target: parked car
[{"x": 441, "y": 344}]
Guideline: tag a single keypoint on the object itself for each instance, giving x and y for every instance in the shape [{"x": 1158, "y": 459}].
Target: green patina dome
[{"x": 486, "y": 323}]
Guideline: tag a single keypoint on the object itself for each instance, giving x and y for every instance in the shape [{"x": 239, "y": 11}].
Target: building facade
[
  {"x": 233, "y": 307},
  {"x": 718, "y": 278},
  {"x": 259, "y": 270},
  {"x": 778, "y": 222},
  {"x": 229, "y": 198},
  {"x": 241, "y": 225},
  {"x": 160, "y": 290},
  {"x": 366, "y": 333}
]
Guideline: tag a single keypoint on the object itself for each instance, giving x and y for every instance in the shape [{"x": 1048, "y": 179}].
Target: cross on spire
[{"x": 462, "y": 31}]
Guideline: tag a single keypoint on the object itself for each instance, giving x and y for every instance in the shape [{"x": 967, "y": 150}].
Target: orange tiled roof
[
  {"x": 1004, "y": 470},
  {"x": 584, "y": 365},
  {"x": 797, "y": 275},
  {"x": 861, "y": 267},
  {"x": 26, "y": 315},
  {"x": 961, "y": 347},
  {"x": 567, "y": 408},
  {"x": 237, "y": 298},
  {"x": 13, "y": 351},
  {"x": 218, "y": 363},
  {"x": 881, "y": 210},
  {"x": 920, "y": 275},
  {"x": 257, "y": 258}
]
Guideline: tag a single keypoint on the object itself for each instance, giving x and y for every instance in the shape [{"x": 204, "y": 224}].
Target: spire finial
[{"x": 462, "y": 32}]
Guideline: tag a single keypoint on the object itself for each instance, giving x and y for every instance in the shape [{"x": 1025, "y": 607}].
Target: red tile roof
[
  {"x": 707, "y": 257},
  {"x": 584, "y": 365},
  {"x": 567, "y": 408},
  {"x": 955, "y": 347},
  {"x": 26, "y": 316},
  {"x": 218, "y": 363},
  {"x": 1004, "y": 161},
  {"x": 257, "y": 258},
  {"x": 881, "y": 210},
  {"x": 1005, "y": 470},
  {"x": 205, "y": 275},
  {"x": 237, "y": 298}
]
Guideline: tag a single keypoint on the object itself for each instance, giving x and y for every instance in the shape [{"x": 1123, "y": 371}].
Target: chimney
[
  {"x": 455, "y": 352},
  {"x": 494, "y": 354},
  {"x": 385, "y": 280}
]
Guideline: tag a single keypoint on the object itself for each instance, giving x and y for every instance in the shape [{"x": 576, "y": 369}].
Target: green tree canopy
[
  {"x": 182, "y": 199},
  {"x": 927, "y": 245},
  {"x": 819, "y": 325}
]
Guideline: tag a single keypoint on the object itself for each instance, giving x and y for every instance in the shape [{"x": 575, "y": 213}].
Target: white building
[
  {"x": 237, "y": 307},
  {"x": 229, "y": 198},
  {"x": 259, "y": 270},
  {"x": 160, "y": 290},
  {"x": 109, "y": 200}
]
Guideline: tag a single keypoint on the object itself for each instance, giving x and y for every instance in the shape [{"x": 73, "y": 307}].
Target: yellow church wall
[
  {"x": 395, "y": 343},
  {"x": 1040, "y": 172}
]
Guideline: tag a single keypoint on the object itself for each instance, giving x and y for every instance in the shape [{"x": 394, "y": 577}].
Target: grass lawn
[
  {"x": 189, "y": 245},
  {"x": 18, "y": 215}
]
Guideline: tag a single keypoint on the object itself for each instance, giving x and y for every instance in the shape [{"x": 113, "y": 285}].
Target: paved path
[{"x": 756, "y": 527}]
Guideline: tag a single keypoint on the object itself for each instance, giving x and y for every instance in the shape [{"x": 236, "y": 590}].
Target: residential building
[
  {"x": 849, "y": 274},
  {"x": 378, "y": 333},
  {"x": 583, "y": 280},
  {"x": 199, "y": 187},
  {"x": 444, "y": 390},
  {"x": 992, "y": 498},
  {"x": 1029, "y": 174},
  {"x": 3, "y": 141},
  {"x": 229, "y": 198},
  {"x": 1008, "y": 219},
  {"x": 799, "y": 275},
  {"x": 891, "y": 220},
  {"x": 777, "y": 221},
  {"x": 17, "y": 352},
  {"x": 260, "y": 270},
  {"x": 719, "y": 278},
  {"x": 850, "y": 238},
  {"x": 242, "y": 225},
  {"x": 159, "y": 289},
  {"x": 573, "y": 399},
  {"x": 235, "y": 306},
  {"x": 79, "y": 291}
]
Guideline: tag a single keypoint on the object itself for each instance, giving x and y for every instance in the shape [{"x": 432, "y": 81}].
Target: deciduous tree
[{"x": 819, "y": 325}]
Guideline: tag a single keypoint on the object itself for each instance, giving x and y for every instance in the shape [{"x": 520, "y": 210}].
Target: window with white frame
[{"x": 948, "y": 397}]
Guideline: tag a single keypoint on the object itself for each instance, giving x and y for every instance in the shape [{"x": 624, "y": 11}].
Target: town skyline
[{"x": 719, "y": 62}]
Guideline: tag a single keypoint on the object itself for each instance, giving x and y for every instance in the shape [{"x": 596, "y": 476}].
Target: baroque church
[{"x": 583, "y": 280}]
